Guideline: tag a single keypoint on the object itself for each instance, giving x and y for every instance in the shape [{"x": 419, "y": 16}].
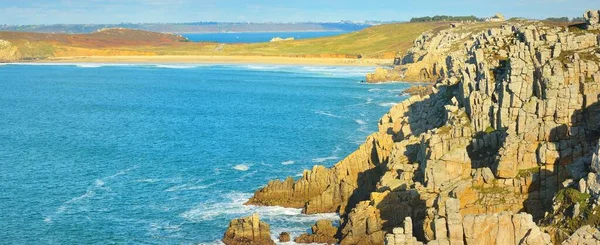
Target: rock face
[
  {"x": 592, "y": 19},
  {"x": 500, "y": 228},
  {"x": 512, "y": 121},
  {"x": 248, "y": 231},
  {"x": 585, "y": 235},
  {"x": 322, "y": 232}
]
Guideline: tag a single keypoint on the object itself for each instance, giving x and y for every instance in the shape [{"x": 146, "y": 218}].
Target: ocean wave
[
  {"x": 289, "y": 162},
  {"x": 186, "y": 187},
  {"x": 89, "y": 65},
  {"x": 148, "y": 180},
  {"x": 324, "y": 159},
  {"x": 280, "y": 218},
  {"x": 175, "y": 66},
  {"x": 388, "y": 104},
  {"x": 360, "y": 122},
  {"x": 332, "y": 71},
  {"x": 329, "y": 114},
  {"x": 241, "y": 167}
]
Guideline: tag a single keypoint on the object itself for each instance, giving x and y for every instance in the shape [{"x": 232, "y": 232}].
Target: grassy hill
[{"x": 382, "y": 41}]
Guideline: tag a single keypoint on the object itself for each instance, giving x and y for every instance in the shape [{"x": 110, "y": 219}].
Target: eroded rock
[{"x": 248, "y": 231}]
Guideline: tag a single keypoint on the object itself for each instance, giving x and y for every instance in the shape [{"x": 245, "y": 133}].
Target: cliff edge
[{"x": 504, "y": 150}]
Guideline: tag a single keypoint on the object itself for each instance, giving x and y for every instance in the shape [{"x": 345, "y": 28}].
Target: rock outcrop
[
  {"x": 279, "y": 39},
  {"x": 248, "y": 231},
  {"x": 592, "y": 19},
  {"x": 331, "y": 190},
  {"x": 322, "y": 232},
  {"x": 585, "y": 235},
  {"x": 452, "y": 228},
  {"x": 506, "y": 138}
]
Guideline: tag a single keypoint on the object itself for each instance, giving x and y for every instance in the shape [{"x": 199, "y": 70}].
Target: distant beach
[{"x": 218, "y": 60}]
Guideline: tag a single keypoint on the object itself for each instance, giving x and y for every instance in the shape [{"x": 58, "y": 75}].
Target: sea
[
  {"x": 169, "y": 153},
  {"x": 256, "y": 37}
]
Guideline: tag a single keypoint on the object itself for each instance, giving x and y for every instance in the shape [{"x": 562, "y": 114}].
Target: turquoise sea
[{"x": 167, "y": 154}]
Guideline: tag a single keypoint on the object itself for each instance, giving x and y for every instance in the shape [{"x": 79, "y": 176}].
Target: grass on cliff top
[{"x": 383, "y": 41}]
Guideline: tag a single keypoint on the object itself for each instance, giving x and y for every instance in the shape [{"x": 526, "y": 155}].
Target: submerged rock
[{"x": 248, "y": 231}]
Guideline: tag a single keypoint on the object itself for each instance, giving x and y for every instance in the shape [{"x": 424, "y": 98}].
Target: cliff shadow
[
  {"x": 429, "y": 113},
  {"x": 484, "y": 149},
  {"x": 566, "y": 159}
]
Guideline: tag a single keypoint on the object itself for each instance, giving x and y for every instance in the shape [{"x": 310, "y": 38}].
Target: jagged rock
[
  {"x": 284, "y": 237},
  {"x": 248, "y": 231},
  {"x": 592, "y": 19},
  {"x": 363, "y": 226},
  {"x": 402, "y": 235},
  {"x": 586, "y": 235},
  {"x": 322, "y": 232},
  {"x": 331, "y": 190}
]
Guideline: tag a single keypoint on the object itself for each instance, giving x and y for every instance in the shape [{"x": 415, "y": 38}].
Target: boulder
[
  {"x": 248, "y": 231},
  {"x": 284, "y": 237}
]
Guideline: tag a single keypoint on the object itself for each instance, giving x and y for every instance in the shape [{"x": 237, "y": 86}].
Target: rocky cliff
[{"x": 503, "y": 151}]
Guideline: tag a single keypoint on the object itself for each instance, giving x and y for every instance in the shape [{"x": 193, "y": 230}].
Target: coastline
[{"x": 171, "y": 59}]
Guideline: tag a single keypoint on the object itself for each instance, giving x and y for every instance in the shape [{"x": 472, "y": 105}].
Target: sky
[{"x": 23, "y": 12}]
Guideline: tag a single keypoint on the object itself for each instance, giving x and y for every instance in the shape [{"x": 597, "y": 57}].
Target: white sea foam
[
  {"x": 91, "y": 65},
  {"x": 241, "y": 167},
  {"x": 388, "y": 104},
  {"x": 99, "y": 183},
  {"x": 186, "y": 187},
  {"x": 374, "y": 90},
  {"x": 148, "y": 180},
  {"x": 289, "y": 162},
  {"x": 234, "y": 207},
  {"x": 329, "y": 114},
  {"x": 360, "y": 122},
  {"x": 324, "y": 159},
  {"x": 175, "y": 66}
]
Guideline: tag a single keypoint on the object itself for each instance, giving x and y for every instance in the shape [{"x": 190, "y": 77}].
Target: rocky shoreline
[{"x": 503, "y": 150}]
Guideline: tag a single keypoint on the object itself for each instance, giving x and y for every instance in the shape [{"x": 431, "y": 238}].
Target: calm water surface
[{"x": 255, "y": 37}]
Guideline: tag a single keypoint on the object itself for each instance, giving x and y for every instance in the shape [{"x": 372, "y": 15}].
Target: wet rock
[{"x": 284, "y": 237}]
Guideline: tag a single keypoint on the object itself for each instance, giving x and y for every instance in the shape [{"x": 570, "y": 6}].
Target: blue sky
[{"x": 117, "y": 11}]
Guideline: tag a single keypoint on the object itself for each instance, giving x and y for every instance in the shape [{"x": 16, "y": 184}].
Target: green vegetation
[
  {"x": 564, "y": 218},
  {"x": 527, "y": 172},
  {"x": 445, "y": 18},
  {"x": 383, "y": 41}
]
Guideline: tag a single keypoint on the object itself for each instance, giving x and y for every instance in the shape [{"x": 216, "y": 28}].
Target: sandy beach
[{"x": 218, "y": 60}]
